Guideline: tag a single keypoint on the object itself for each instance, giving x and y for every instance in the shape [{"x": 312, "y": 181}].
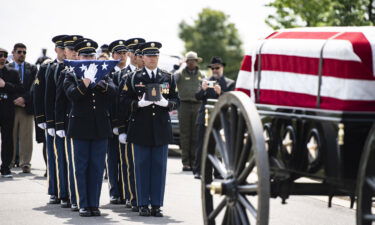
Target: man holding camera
[{"x": 212, "y": 88}]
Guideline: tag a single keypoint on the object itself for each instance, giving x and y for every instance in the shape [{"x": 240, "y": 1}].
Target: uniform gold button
[
  {"x": 153, "y": 114},
  {"x": 153, "y": 107},
  {"x": 93, "y": 94},
  {"x": 94, "y": 107},
  {"x": 93, "y": 100}
]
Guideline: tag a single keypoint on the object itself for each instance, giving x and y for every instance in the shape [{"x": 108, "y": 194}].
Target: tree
[
  {"x": 212, "y": 35},
  {"x": 312, "y": 13}
]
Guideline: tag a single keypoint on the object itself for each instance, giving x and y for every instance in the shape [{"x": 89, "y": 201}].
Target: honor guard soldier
[
  {"x": 114, "y": 163},
  {"x": 40, "y": 116},
  {"x": 149, "y": 128},
  {"x": 128, "y": 167},
  {"x": 188, "y": 82},
  {"x": 10, "y": 86},
  {"x": 62, "y": 109},
  {"x": 132, "y": 45},
  {"x": 89, "y": 129},
  {"x": 212, "y": 88},
  {"x": 59, "y": 142}
]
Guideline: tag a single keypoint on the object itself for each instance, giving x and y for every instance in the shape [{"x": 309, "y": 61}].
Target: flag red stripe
[
  {"x": 246, "y": 63},
  {"x": 285, "y": 98},
  {"x": 304, "y": 35}
]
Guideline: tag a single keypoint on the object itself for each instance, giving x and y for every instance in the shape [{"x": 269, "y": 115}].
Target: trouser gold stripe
[
  {"x": 48, "y": 170},
  {"x": 135, "y": 177},
  {"x": 74, "y": 173},
  {"x": 128, "y": 172},
  {"x": 68, "y": 165},
  {"x": 57, "y": 166},
  {"x": 122, "y": 172},
  {"x": 107, "y": 168}
]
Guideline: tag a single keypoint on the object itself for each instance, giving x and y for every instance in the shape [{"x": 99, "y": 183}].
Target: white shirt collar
[
  {"x": 149, "y": 71},
  {"x": 132, "y": 67}
]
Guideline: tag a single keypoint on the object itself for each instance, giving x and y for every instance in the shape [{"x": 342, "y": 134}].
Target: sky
[{"x": 35, "y": 22}]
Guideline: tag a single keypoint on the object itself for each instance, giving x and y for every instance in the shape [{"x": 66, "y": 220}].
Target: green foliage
[
  {"x": 212, "y": 35},
  {"x": 313, "y": 13}
]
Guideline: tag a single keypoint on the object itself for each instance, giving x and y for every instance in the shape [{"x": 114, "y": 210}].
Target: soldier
[
  {"x": 89, "y": 129},
  {"x": 40, "y": 116},
  {"x": 149, "y": 129},
  {"x": 188, "y": 82},
  {"x": 114, "y": 165},
  {"x": 10, "y": 84},
  {"x": 59, "y": 141},
  {"x": 126, "y": 151},
  {"x": 62, "y": 109},
  {"x": 216, "y": 85}
]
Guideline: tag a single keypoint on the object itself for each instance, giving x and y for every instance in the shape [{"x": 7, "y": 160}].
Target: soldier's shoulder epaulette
[{"x": 165, "y": 72}]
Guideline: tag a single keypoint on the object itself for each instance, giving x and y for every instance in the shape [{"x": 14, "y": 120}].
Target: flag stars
[{"x": 104, "y": 66}]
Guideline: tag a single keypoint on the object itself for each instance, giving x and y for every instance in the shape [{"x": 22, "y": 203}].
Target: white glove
[
  {"x": 143, "y": 102},
  {"x": 122, "y": 138},
  {"x": 162, "y": 102},
  {"x": 91, "y": 72},
  {"x": 42, "y": 126},
  {"x": 60, "y": 133},
  {"x": 51, "y": 132},
  {"x": 115, "y": 131}
]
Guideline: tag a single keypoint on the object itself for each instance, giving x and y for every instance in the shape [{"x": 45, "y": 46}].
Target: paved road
[{"x": 23, "y": 201}]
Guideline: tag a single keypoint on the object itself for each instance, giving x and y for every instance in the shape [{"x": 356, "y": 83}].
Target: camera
[{"x": 211, "y": 83}]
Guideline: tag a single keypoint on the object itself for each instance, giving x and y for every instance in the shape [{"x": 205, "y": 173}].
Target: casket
[{"x": 328, "y": 68}]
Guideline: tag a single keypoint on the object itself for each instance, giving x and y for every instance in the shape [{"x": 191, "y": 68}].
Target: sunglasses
[
  {"x": 3, "y": 54},
  {"x": 21, "y": 52},
  {"x": 215, "y": 68}
]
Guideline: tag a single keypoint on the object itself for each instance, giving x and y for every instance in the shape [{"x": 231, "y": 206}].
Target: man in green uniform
[{"x": 188, "y": 81}]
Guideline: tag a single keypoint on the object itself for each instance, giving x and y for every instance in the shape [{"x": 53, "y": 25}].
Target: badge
[
  {"x": 37, "y": 81},
  {"x": 125, "y": 88}
]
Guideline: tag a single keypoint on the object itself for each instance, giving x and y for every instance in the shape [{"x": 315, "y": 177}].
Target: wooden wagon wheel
[
  {"x": 235, "y": 171},
  {"x": 366, "y": 182}
]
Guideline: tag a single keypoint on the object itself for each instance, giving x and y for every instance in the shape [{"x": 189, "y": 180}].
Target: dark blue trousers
[
  {"x": 113, "y": 167},
  {"x": 61, "y": 168},
  {"x": 129, "y": 159},
  {"x": 89, "y": 161},
  {"x": 124, "y": 173},
  {"x": 51, "y": 166},
  {"x": 150, "y": 171},
  {"x": 71, "y": 182}
]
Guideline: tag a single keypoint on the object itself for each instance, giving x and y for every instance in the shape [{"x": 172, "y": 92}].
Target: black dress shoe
[
  {"x": 197, "y": 176},
  {"x": 135, "y": 209},
  {"x": 53, "y": 200},
  {"x": 156, "y": 211},
  {"x": 65, "y": 203},
  {"x": 74, "y": 207},
  {"x": 144, "y": 211},
  {"x": 186, "y": 168},
  {"x": 85, "y": 212},
  {"x": 128, "y": 204},
  {"x": 95, "y": 211},
  {"x": 114, "y": 200}
]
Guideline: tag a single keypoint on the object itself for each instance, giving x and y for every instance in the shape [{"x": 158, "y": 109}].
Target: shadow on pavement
[{"x": 73, "y": 217}]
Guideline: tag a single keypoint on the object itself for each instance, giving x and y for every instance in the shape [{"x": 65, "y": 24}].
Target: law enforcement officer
[
  {"x": 212, "y": 88},
  {"x": 114, "y": 165},
  {"x": 62, "y": 109},
  {"x": 40, "y": 116},
  {"x": 126, "y": 151},
  {"x": 149, "y": 129},
  {"x": 10, "y": 85},
  {"x": 188, "y": 82},
  {"x": 89, "y": 129}
]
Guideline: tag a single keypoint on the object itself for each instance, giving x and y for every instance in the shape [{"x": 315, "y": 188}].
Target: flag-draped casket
[{"x": 329, "y": 68}]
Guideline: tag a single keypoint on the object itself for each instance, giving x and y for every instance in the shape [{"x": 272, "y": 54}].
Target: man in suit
[
  {"x": 149, "y": 128},
  {"x": 89, "y": 129},
  {"x": 10, "y": 87},
  {"x": 23, "y": 122},
  {"x": 212, "y": 88}
]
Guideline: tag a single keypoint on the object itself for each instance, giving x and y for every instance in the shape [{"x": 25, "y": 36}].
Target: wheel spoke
[
  {"x": 242, "y": 215},
  {"x": 248, "y": 189},
  {"x": 239, "y": 142},
  {"x": 221, "y": 147},
  {"x": 233, "y": 118},
  {"x": 218, "y": 209},
  {"x": 241, "y": 161},
  {"x": 227, "y": 134},
  {"x": 370, "y": 217},
  {"x": 245, "y": 173},
  {"x": 218, "y": 165},
  {"x": 245, "y": 203},
  {"x": 226, "y": 217},
  {"x": 235, "y": 218},
  {"x": 370, "y": 181}
]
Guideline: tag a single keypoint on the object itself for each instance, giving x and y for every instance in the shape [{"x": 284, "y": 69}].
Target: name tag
[{"x": 187, "y": 78}]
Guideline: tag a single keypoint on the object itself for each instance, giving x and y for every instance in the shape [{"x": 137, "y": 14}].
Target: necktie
[
  {"x": 153, "y": 76},
  {"x": 20, "y": 72}
]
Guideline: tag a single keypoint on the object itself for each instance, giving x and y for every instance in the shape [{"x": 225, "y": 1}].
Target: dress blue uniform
[
  {"x": 149, "y": 131},
  {"x": 40, "y": 117},
  {"x": 114, "y": 163},
  {"x": 89, "y": 129}
]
